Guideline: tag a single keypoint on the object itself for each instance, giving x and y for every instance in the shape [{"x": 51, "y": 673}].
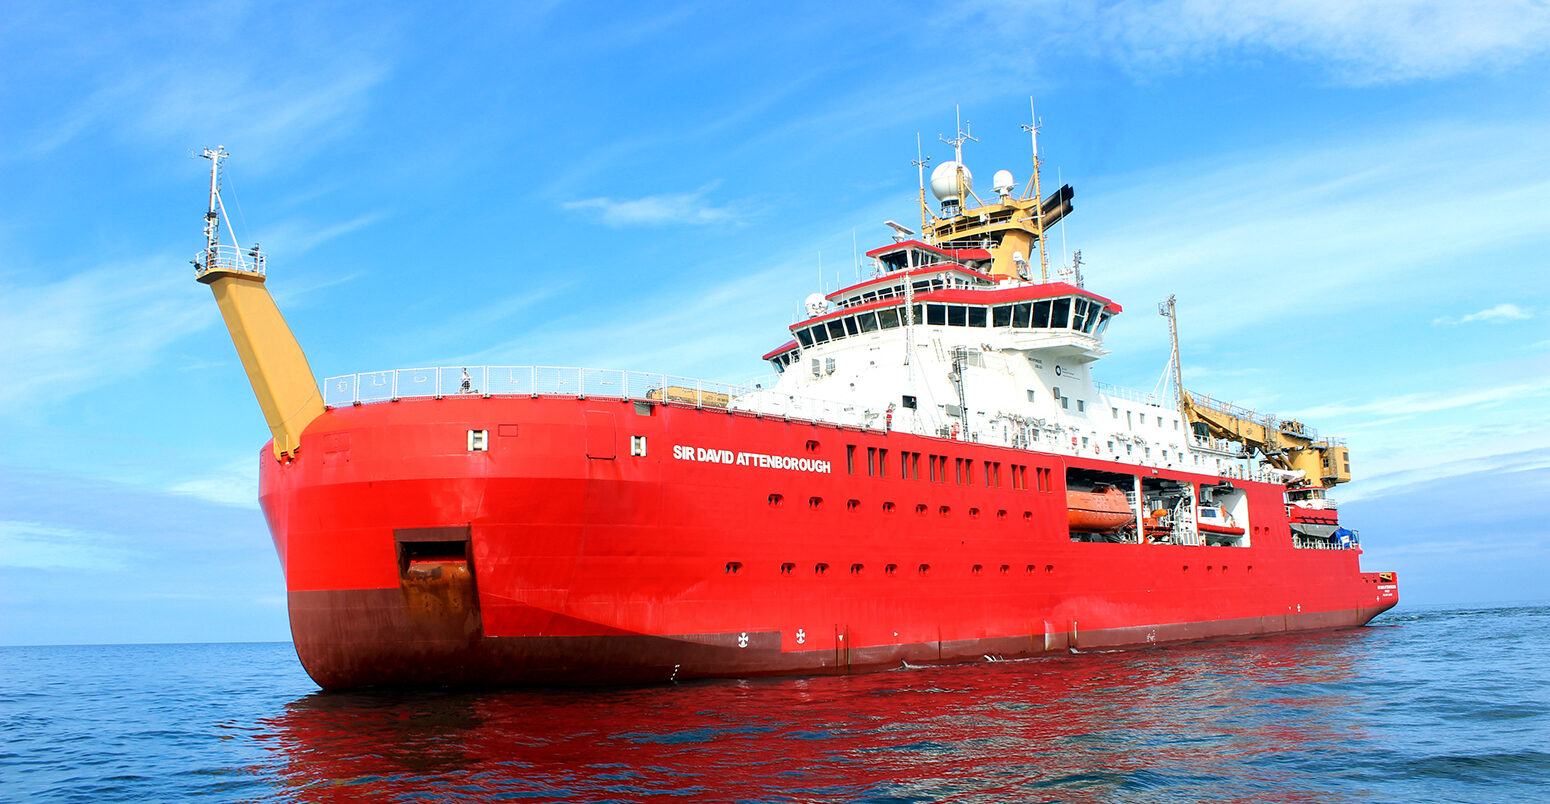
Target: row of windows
[
  {"x": 1074, "y": 313},
  {"x": 963, "y": 469},
  {"x": 816, "y": 503},
  {"x": 822, "y": 568}
]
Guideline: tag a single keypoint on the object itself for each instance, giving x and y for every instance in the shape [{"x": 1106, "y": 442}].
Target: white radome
[
  {"x": 1003, "y": 183},
  {"x": 943, "y": 181},
  {"x": 816, "y": 304}
]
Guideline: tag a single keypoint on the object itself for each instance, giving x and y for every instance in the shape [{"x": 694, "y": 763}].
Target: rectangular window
[
  {"x": 836, "y": 329},
  {"x": 889, "y": 318},
  {"x": 871, "y": 461},
  {"x": 882, "y": 463},
  {"x": 957, "y": 316},
  {"x": 1030, "y": 394},
  {"x": 850, "y": 458},
  {"x": 1001, "y": 316},
  {"x": 804, "y": 337},
  {"x": 850, "y": 326},
  {"x": 958, "y": 470},
  {"x": 868, "y": 322},
  {"x": 1020, "y": 314},
  {"x": 1060, "y": 313},
  {"x": 1116, "y": 412},
  {"x": 820, "y": 335},
  {"x": 1081, "y": 405},
  {"x": 1041, "y": 314},
  {"x": 915, "y": 464},
  {"x": 931, "y": 461},
  {"x": 1079, "y": 314},
  {"x": 920, "y": 313},
  {"x": 976, "y": 316},
  {"x": 936, "y": 314}
]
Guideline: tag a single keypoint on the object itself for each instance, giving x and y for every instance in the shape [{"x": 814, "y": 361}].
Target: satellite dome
[
  {"x": 944, "y": 183},
  {"x": 1003, "y": 182},
  {"x": 816, "y": 304}
]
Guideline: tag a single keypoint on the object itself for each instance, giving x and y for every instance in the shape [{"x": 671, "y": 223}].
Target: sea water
[{"x": 1420, "y": 706}]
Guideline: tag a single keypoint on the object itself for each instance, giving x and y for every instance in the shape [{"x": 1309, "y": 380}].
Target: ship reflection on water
[{"x": 1266, "y": 719}]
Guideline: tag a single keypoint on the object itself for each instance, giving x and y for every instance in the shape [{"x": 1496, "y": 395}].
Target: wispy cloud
[
  {"x": 1357, "y": 42},
  {"x": 656, "y": 210},
  {"x": 234, "y": 484},
  {"x": 66, "y": 337},
  {"x": 1499, "y": 314},
  {"x": 33, "y": 545},
  {"x": 153, "y": 84}
]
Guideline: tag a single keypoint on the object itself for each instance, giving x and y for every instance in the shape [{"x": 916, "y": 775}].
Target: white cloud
[
  {"x": 235, "y": 484},
  {"x": 1499, "y": 314},
  {"x": 33, "y": 545},
  {"x": 94, "y": 327},
  {"x": 1358, "y": 42},
  {"x": 657, "y": 210}
]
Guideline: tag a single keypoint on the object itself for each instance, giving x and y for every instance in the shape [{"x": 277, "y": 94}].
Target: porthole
[
  {"x": 977, "y": 569},
  {"x": 944, "y": 510},
  {"x": 812, "y": 446},
  {"x": 974, "y": 513},
  {"x": 787, "y": 568},
  {"x": 815, "y": 503},
  {"x": 852, "y": 505},
  {"x": 1027, "y": 516},
  {"x": 1029, "y": 569},
  {"x": 734, "y": 567},
  {"x": 855, "y": 569},
  {"x": 776, "y": 500},
  {"x": 891, "y": 569},
  {"x": 820, "y": 569},
  {"x": 888, "y": 507},
  {"x": 921, "y": 509},
  {"x": 924, "y": 569},
  {"x": 1005, "y": 568},
  {"x": 1001, "y": 514}
]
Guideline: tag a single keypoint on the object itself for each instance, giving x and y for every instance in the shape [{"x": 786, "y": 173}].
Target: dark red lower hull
[
  {"x": 734, "y": 546},
  {"x": 368, "y": 638}
]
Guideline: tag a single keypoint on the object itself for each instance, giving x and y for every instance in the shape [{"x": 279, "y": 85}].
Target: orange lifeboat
[{"x": 1098, "y": 511}]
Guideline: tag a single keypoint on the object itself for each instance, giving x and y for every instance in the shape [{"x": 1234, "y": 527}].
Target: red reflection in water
[{"x": 1227, "y": 721}]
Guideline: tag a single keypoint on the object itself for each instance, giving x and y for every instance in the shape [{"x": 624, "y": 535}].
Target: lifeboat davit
[{"x": 1101, "y": 510}]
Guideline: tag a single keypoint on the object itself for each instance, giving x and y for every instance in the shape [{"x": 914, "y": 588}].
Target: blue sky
[{"x": 1351, "y": 201}]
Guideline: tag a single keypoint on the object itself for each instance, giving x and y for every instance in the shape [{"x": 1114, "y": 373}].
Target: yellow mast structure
[
  {"x": 1008, "y": 227},
  {"x": 275, "y": 363},
  {"x": 1038, "y": 209},
  {"x": 1286, "y": 443}
]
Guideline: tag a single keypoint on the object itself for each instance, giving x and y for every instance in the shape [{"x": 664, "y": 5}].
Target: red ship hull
[{"x": 736, "y": 546}]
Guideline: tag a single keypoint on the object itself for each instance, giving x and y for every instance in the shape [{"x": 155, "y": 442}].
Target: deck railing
[
  {"x": 229, "y": 258},
  {"x": 757, "y": 396}
]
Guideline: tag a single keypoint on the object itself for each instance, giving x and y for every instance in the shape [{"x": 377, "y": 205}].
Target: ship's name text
[{"x": 683, "y": 452}]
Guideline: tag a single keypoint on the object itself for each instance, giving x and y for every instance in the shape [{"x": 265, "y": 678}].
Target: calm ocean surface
[{"x": 1420, "y": 706}]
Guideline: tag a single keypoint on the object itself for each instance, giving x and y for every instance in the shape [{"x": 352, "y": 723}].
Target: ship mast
[
  {"x": 1038, "y": 194},
  {"x": 957, "y": 143},
  {"x": 1168, "y": 310},
  {"x": 920, "y": 163},
  {"x": 213, "y": 217}
]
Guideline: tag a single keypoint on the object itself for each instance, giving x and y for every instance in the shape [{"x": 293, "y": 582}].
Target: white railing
[
  {"x": 1121, "y": 392},
  {"x": 757, "y": 396},
  {"x": 444, "y": 381},
  {"x": 229, "y": 258}
]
